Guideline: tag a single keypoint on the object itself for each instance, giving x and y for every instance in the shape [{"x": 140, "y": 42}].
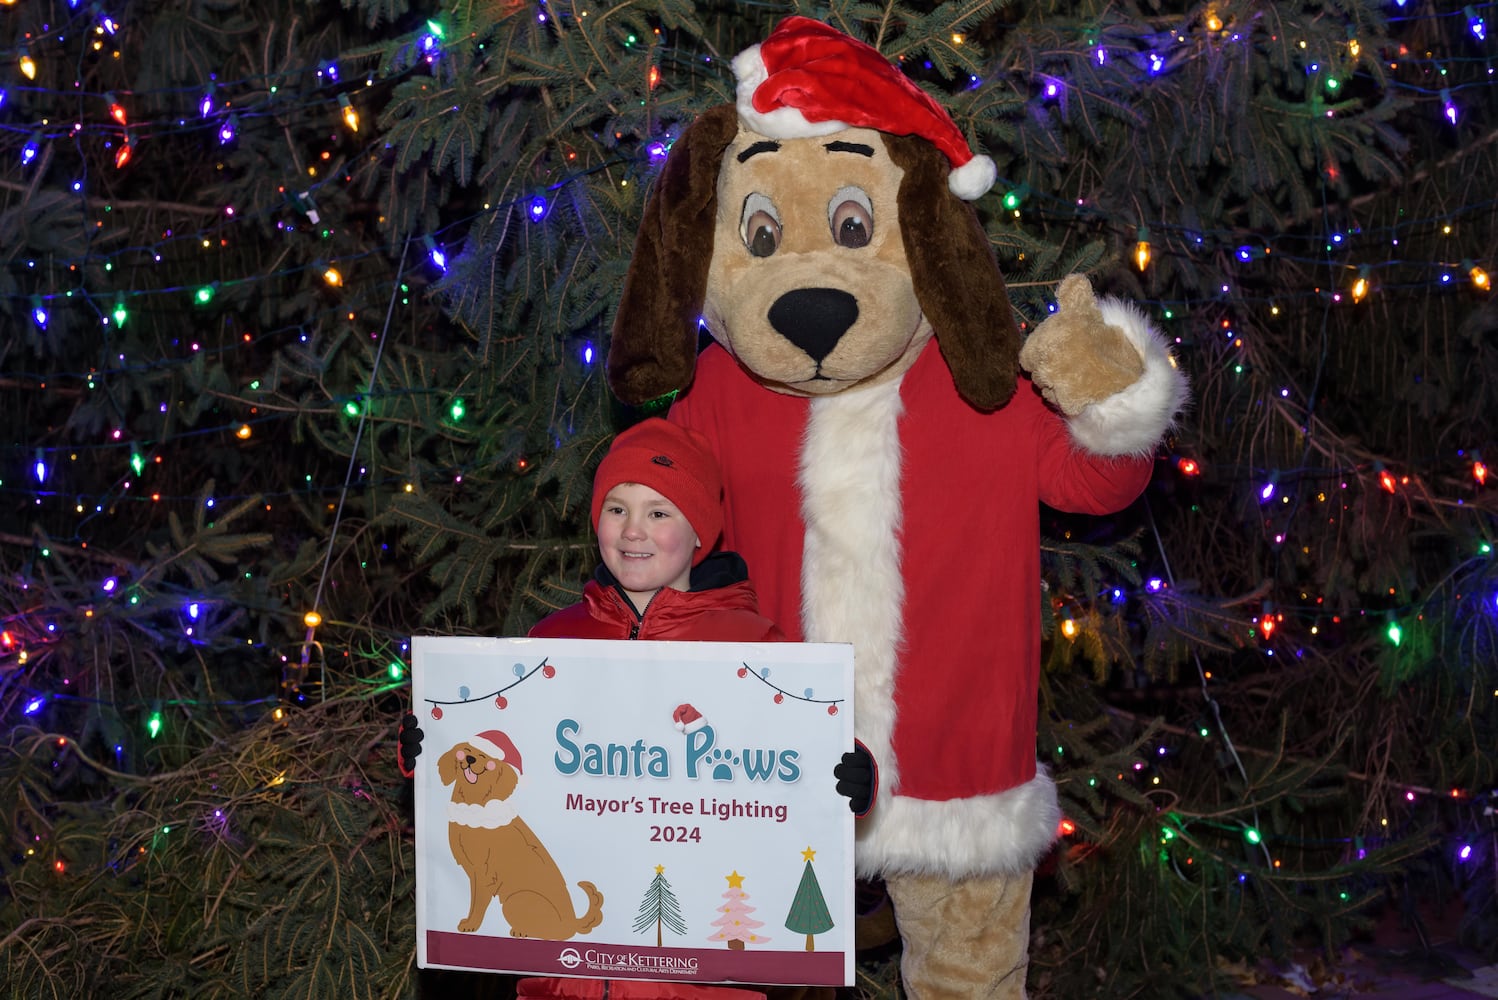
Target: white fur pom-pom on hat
[{"x": 809, "y": 79}]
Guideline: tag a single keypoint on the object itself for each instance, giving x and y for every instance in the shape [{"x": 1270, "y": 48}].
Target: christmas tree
[
  {"x": 736, "y": 926},
  {"x": 306, "y": 306},
  {"x": 809, "y": 914},
  {"x": 659, "y": 908}
]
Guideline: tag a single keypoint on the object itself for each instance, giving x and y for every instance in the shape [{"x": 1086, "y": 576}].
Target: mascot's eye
[
  {"x": 852, "y": 218},
  {"x": 761, "y": 227},
  {"x": 763, "y": 236}
]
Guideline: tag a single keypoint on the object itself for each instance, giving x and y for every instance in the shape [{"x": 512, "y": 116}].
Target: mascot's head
[{"x": 820, "y": 228}]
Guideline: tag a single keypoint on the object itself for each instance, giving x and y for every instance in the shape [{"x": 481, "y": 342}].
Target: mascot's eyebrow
[
  {"x": 850, "y": 147},
  {"x": 759, "y": 147}
]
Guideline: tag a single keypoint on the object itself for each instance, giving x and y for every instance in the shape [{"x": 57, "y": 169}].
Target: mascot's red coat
[{"x": 901, "y": 518}]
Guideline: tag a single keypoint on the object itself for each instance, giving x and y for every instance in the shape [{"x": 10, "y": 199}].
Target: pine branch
[
  {"x": 23, "y": 541},
  {"x": 112, "y": 204}
]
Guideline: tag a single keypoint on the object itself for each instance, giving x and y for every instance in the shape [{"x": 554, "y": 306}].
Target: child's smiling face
[{"x": 645, "y": 541}]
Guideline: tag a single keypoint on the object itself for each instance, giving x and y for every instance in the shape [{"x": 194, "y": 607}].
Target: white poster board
[{"x": 634, "y": 810}]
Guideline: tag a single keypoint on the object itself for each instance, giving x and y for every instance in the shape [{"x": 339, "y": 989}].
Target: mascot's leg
[{"x": 963, "y": 940}]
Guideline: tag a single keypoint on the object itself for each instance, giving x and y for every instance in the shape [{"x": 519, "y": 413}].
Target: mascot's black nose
[{"x": 814, "y": 319}]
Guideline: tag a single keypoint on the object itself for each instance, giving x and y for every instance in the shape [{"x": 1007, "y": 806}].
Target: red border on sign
[{"x": 677, "y": 965}]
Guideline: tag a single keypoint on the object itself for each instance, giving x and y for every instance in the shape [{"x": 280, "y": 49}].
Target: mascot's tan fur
[
  {"x": 502, "y": 857},
  {"x": 825, "y": 253},
  {"x": 929, "y": 269}
]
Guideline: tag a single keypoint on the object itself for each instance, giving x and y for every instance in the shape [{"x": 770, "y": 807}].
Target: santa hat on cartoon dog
[{"x": 497, "y": 745}]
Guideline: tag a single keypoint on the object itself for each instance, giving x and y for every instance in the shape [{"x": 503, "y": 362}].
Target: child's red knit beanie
[{"x": 678, "y": 464}]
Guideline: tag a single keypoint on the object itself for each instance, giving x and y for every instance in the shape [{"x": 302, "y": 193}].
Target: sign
[{"x": 660, "y": 811}]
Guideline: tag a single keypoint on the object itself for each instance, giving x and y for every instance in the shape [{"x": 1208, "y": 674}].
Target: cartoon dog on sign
[{"x": 501, "y": 855}]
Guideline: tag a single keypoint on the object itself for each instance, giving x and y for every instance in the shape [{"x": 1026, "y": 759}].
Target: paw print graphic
[{"x": 723, "y": 762}]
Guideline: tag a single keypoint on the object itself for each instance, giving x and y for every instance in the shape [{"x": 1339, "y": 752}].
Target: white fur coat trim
[
  {"x": 1007, "y": 833},
  {"x": 1132, "y": 421},
  {"x": 851, "y": 586},
  {"x": 853, "y": 591},
  {"x": 490, "y": 815}
]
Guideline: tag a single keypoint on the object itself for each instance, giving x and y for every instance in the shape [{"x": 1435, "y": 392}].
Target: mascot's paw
[
  {"x": 1075, "y": 358},
  {"x": 408, "y": 745}
]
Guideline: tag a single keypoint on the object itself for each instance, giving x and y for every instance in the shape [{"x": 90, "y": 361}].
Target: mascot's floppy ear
[
  {"x": 956, "y": 276},
  {"x": 654, "y": 345}
]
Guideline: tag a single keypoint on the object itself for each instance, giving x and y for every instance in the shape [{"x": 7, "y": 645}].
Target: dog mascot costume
[{"x": 884, "y": 460}]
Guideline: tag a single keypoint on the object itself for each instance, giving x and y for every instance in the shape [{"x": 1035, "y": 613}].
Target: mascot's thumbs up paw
[{"x": 1075, "y": 357}]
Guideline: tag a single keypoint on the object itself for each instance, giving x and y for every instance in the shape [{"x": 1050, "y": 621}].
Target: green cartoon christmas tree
[
  {"x": 659, "y": 907},
  {"x": 809, "y": 914}
]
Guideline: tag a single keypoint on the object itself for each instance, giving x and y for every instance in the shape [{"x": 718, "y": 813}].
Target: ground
[{"x": 1400, "y": 960}]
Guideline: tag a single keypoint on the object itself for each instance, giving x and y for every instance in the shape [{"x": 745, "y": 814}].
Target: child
[{"x": 658, "y": 510}]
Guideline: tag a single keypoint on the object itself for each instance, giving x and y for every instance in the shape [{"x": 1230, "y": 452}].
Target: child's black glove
[
  {"x": 857, "y": 778},
  {"x": 409, "y": 747}
]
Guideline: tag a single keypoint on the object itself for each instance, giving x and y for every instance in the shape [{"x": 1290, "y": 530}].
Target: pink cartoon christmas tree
[{"x": 735, "y": 925}]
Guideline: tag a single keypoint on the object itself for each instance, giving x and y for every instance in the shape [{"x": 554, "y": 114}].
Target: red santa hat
[
  {"x": 677, "y": 462},
  {"x": 497, "y": 745},
  {"x": 809, "y": 79},
  {"x": 687, "y": 719}
]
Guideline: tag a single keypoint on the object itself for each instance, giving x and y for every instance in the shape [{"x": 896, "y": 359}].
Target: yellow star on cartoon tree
[
  {"x": 808, "y": 854},
  {"x": 735, "y": 881},
  {"x": 659, "y": 869}
]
